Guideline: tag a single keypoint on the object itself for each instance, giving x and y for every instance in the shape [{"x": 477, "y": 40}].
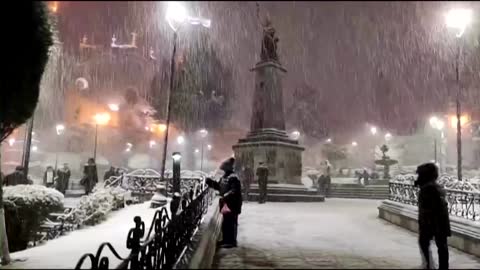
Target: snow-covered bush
[
  {"x": 94, "y": 208},
  {"x": 26, "y": 207}
]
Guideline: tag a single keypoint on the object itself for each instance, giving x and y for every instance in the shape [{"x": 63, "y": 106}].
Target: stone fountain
[{"x": 386, "y": 162}]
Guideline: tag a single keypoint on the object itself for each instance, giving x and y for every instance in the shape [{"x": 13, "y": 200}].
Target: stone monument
[{"x": 267, "y": 140}]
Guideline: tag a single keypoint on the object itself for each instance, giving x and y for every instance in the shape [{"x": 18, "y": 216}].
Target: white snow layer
[{"x": 65, "y": 251}]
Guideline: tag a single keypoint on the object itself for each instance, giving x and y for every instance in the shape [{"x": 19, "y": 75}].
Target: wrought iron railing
[
  {"x": 165, "y": 242},
  {"x": 463, "y": 197},
  {"x": 146, "y": 181}
]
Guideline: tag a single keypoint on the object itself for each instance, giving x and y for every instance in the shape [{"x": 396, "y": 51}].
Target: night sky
[{"x": 387, "y": 63}]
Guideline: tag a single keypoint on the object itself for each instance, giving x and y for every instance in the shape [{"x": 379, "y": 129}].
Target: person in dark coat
[
  {"x": 433, "y": 215},
  {"x": 230, "y": 190},
  {"x": 262, "y": 174},
  {"x": 247, "y": 177},
  {"x": 111, "y": 172},
  {"x": 90, "y": 176},
  {"x": 366, "y": 178},
  {"x": 63, "y": 178},
  {"x": 16, "y": 178},
  {"x": 49, "y": 177}
]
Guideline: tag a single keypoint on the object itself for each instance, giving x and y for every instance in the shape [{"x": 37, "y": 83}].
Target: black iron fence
[
  {"x": 141, "y": 181},
  {"x": 463, "y": 199},
  {"x": 165, "y": 242}
]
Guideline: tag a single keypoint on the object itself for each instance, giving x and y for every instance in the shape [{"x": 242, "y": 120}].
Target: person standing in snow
[
  {"x": 49, "y": 177},
  {"x": 230, "y": 190},
  {"x": 262, "y": 174},
  {"x": 63, "y": 178},
  {"x": 433, "y": 215},
  {"x": 111, "y": 172},
  {"x": 16, "y": 178},
  {"x": 90, "y": 176}
]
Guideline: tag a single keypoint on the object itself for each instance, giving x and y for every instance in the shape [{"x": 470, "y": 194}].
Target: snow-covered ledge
[
  {"x": 202, "y": 250},
  {"x": 465, "y": 233}
]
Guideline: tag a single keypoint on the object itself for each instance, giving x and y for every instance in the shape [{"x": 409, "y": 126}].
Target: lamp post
[
  {"x": 101, "y": 119},
  {"x": 176, "y": 14},
  {"x": 60, "y": 129},
  {"x": 27, "y": 143},
  {"x": 437, "y": 124},
  {"x": 458, "y": 19},
  {"x": 176, "y": 156}
]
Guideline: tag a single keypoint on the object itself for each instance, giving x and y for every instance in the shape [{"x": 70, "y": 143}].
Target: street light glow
[
  {"x": 114, "y": 107},
  {"x": 203, "y": 133},
  {"x": 354, "y": 143},
  {"x": 373, "y": 130},
  {"x": 388, "y": 136},
  {"x": 176, "y": 156},
  {"x": 176, "y": 13},
  {"x": 197, "y": 151},
  {"x": 295, "y": 135},
  {"x": 329, "y": 140},
  {"x": 436, "y": 123},
  {"x": 60, "y": 128},
  {"x": 152, "y": 143},
  {"x": 458, "y": 19},
  {"x": 34, "y": 148},
  {"x": 101, "y": 118},
  {"x": 180, "y": 139},
  {"x": 464, "y": 119},
  {"x": 11, "y": 141},
  {"x": 209, "y": 147}
]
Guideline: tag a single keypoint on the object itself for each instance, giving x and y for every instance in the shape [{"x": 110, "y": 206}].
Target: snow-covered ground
[
  {"x": 339, "y": 233},
  {"x": 65, "y": 251}
]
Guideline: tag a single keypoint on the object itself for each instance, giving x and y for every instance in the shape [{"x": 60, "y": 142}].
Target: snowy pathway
[
  {"x": 65, "y": 251},
  {"x": 339, "y": 233}
]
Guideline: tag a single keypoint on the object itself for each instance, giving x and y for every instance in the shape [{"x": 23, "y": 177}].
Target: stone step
[
  {"x": 285, "y": 191},
  {"x": 74, "y": 193},
  {"x": 343, "y": 196},
  {"x": 288, "y": 197}
]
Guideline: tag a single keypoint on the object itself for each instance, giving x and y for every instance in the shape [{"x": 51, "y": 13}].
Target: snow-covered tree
[{"x": 26, "y": 54}]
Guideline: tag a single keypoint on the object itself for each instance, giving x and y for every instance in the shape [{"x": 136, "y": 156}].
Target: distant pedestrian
[
  {"x": 247, "y": 177},
  {"x": 262, "y": 174},
  {"x": 90, "y": 176},
  {"x": 63, "y": 178},
  {"x": 49, "y": 177},
  {"x": 16, "y": 178},
  {"x": 366, "y": 177},
  {"x": 230, "y": 189},
  {"x": 111, "y": 172},
  {"x": 433, "y": 216}
]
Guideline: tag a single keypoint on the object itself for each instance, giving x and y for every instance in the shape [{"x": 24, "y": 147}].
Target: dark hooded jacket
[{"x": 433, "y": 214}]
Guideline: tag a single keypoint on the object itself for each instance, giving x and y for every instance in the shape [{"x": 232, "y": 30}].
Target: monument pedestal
[{"x": 282, "y": 155}]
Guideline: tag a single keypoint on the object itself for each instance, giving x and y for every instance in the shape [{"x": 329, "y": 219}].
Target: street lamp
[
  {"x": 176, "y": 156},
  {"x": 60, "y": 128},
  {"x": 329, "y": 140},
  {"x": 180, "y": 139},
  {"x": 373, "y": 130},
  {"x": 101, "y": 119},
  {"x": 388, "y": 136},
  {"x": 458, "y": 19},
  {"x": 114, "y": 107},
  {"x": 295, "y": 134},
  {"x": 176, "y": 14},
  {"x": 11, "y": 141},
  {"x": 354, "y": 143}
]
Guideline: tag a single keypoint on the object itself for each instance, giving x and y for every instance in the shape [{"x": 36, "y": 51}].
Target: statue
[{"x": 269, "y": 40}]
